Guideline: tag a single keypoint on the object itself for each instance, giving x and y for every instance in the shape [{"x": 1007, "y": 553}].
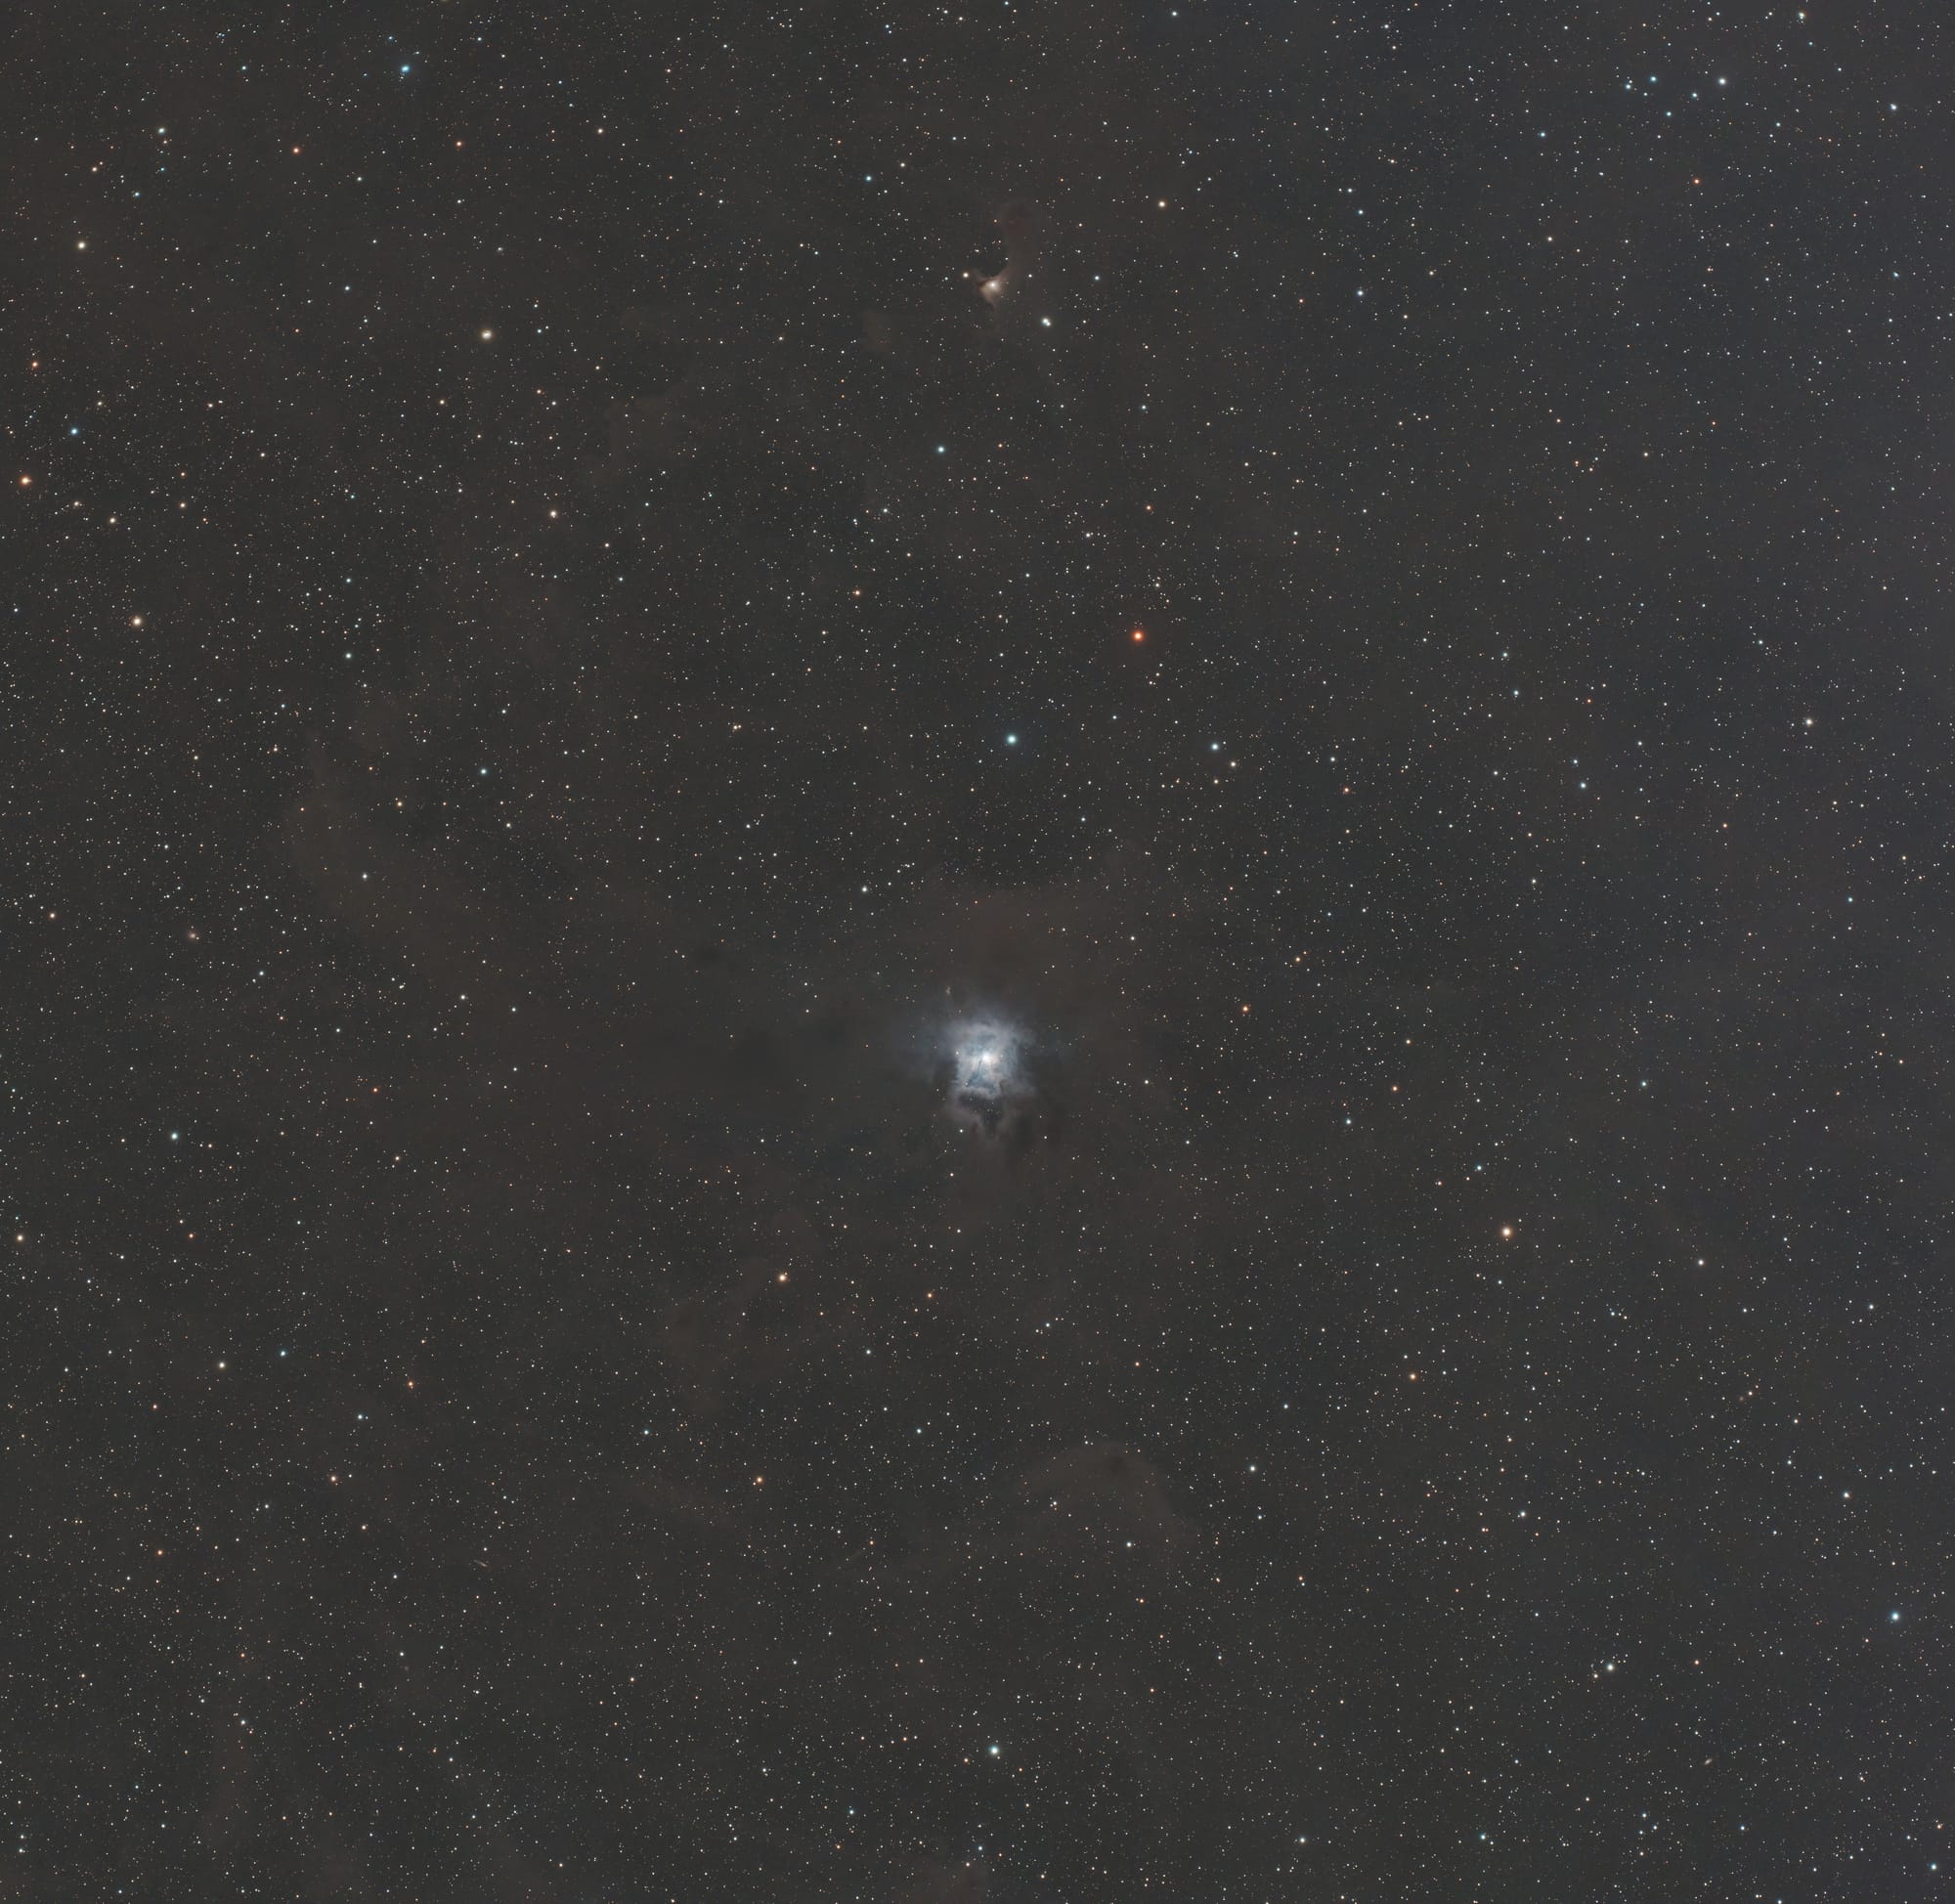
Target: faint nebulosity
[{"x": 983, "y": 955}]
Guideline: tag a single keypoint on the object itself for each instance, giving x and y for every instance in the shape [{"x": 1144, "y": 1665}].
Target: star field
[{"x": 989, "y": 952}]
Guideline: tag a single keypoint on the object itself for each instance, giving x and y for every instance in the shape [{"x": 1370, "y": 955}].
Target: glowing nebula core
[{"x": 987, "y": 1075}]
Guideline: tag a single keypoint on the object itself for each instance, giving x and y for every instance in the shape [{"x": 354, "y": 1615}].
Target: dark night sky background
[{"x": 573, "y": 580}]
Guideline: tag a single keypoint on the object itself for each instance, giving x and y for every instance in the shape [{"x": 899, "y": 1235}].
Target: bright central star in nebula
[{"x": 986, "y": 1072}]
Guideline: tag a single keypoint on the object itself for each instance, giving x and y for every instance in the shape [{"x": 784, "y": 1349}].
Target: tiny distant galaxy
[{"x": 979, "y": 955}]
